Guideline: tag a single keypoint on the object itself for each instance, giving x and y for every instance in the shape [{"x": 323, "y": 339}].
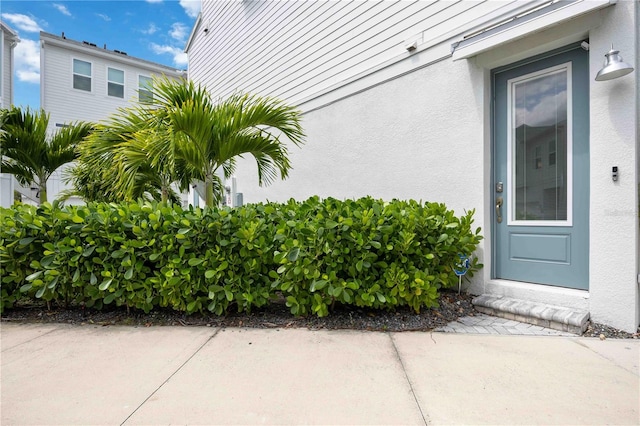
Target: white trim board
[{"x": 555, "y": 13}]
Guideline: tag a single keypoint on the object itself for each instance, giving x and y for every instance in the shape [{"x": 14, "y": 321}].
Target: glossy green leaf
[
  {"x": 47, "y": 260},
  {"x": 34, "y": 276},
  {"x": 26, "y": 241},
  {"x": 195, "y": 261},
  {"x": 128, "y": 274},
  {"x": 117, "y": 254},
  {"x": 105, "y": 284},
  {"x": 330, "y": 224},
  {"x": 293, "y": 254}
]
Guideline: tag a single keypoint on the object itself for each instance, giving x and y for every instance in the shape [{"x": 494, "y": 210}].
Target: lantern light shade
[{"x": 614, "y": 66}]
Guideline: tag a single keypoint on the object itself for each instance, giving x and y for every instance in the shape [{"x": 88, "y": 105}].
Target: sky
[{"x": 155, "y": 30}]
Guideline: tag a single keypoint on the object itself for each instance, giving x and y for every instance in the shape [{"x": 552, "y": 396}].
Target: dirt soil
[{"x": 277, "y": 315}]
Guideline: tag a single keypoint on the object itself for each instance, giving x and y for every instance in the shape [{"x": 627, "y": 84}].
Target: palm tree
[
  {"x": 183, "y": 137},
  {"x": 30, "y": 153},
  {"x": 208, "y": 136},
  {"x": 115, "y": 162}
]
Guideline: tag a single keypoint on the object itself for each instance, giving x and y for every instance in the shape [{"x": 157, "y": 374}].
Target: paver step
[
  {"x": 550, "y": 316},
  {"x": 488, "y": 324}
]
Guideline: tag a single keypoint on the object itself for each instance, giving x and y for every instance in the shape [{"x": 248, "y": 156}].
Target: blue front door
[{"x": 541, "y": 170}]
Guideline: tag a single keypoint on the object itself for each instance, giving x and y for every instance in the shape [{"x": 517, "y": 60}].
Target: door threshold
[{"x": 538, "y": 293}]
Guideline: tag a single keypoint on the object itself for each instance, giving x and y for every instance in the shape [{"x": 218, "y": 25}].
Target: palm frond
[
  {"x": 29, "y": 152},
  {"x": 183, "y": 136}
]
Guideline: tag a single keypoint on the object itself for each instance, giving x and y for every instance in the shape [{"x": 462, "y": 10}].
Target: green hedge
[{"x": 314, "y": 253}]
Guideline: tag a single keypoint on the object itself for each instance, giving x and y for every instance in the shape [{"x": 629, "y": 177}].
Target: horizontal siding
[
  {"x": 5, "y": 74},
  {"x": 294, "y": 49},
  {"x": 368, "y": 50},
  {"x": 273, "y": 33},
  {"x": 66, "y": 104}
]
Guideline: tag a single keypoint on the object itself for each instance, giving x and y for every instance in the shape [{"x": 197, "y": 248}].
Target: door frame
[{"x": 493, "y": 73}]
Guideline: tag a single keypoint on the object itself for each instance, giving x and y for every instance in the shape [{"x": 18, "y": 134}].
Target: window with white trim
[
  {"x": 115, "y": 82},
  {"x": 145, "y": 87},
  {"x": 82, "y": 75}
]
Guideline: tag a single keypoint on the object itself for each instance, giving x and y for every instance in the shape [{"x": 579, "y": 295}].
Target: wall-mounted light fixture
[
  {"x": 614, "y": 66},
  {"x": 411, "y": 46}
]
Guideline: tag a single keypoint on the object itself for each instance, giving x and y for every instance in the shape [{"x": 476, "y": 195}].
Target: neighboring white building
[
  {"x": 8, "y": 41},
  {"x": 485, "y": 105},
  {"x": 80, "y": 81}
]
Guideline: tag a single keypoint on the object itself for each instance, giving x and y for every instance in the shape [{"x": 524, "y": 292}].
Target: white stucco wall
[
  {"x": 424, "y": 144},
  {"x": 614, "y": 205}
]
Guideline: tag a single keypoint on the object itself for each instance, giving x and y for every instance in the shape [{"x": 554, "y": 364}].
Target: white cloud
[
  {"x": 151, "y": 29},
  {"x": 62, "y": 9},
  {"x": 22, "y": 22},
  {"x": 191, "y": 7},
  {"x": 179, "y": 32},
  {"x": 542, "y": 101},
  {"x": 179, "y": 57},
  {"x": 27, "y": 76},
  {"x": 154, "y": 1},
  {"x": 545, "y": 111},
  {"x": 27, "y": 61},
  {"x": 103, "y": 16}
]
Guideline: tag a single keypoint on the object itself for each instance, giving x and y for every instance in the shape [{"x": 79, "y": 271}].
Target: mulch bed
[{"x": 277, "y": 315}]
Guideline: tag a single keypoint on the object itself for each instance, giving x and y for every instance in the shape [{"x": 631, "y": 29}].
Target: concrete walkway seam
[
  {"x": 30, "y": 340},
  {"x": 170, "y": 376},
  {"x": 612, "y": 360},
  {"x": 404, "y": 370}
]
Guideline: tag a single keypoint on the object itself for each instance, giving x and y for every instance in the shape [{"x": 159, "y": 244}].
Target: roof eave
[
  {"x": 96, "y": 51},
  {"x": 12, "y": 34},
  {"x": 192, "y": 36}
]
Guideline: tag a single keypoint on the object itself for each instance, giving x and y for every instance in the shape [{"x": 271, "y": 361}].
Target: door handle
[{"x": 498, "y": 206}]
